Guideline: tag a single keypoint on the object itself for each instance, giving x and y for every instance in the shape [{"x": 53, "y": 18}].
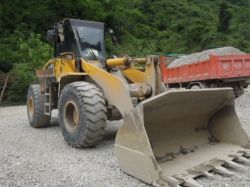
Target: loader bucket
[{"x": 176, "y": 136}]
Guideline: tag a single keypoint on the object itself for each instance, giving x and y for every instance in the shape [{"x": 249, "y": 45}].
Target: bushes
[
  {"x": 27, "y": 53},
  {"x": 141, "y": 27}
]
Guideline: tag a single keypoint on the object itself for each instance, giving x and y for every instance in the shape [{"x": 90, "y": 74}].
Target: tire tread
[{"x": 92, "y": 102}]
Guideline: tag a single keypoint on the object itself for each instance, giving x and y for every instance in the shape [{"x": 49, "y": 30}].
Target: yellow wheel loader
[{"x": 168, "y": 138}]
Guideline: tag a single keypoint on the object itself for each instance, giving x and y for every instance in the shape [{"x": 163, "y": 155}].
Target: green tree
[
  {"x": 141, "y": 27},
  {"x": 31, "y": 54},
  {"x": 224, "y": 18}
]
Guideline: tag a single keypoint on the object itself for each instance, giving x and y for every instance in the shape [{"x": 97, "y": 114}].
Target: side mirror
[{"x": 51, "y": 36}]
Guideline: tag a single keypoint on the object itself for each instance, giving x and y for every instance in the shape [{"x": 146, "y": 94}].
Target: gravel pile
[
  {"x": 41, "y": 157},
  {"x": 204, "y": 55}
]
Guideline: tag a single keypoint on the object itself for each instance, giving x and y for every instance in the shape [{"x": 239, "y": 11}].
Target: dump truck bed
[{"x": 216, "y": 67}]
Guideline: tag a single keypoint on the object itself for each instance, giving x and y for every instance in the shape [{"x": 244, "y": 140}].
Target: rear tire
[
  {"x": 35, "y": 108},
  {"x": 82, "y": 114},
  {"x": 195, "y": 87}
]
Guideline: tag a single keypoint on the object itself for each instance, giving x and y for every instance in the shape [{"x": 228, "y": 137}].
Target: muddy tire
[
  {"x": 35, "y": 108},
  {"x": 82, "y": 114}
]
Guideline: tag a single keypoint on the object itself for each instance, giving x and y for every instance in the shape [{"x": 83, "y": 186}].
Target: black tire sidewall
[
  {"x": 70, "y": 94},
  {"x": 35, "y": 102},
  {"x": 39, "y": 118}
]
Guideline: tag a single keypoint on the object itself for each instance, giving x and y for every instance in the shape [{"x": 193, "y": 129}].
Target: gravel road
[{"x": 40, "y": 157}]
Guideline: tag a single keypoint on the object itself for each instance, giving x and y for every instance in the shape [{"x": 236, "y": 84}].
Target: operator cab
[{"x": 84, "y": 38}]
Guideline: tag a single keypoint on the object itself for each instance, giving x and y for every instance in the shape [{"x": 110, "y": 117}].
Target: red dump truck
[{"x": 218, "y": 71}]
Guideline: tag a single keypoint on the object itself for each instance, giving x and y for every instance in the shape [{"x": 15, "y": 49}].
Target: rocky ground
[{"x": 40, "y": 157}]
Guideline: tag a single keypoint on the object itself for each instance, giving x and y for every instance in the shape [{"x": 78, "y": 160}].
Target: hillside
[{"x": 141, "y": 27}]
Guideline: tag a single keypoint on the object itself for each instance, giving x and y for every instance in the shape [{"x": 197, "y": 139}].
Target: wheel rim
[
  {"x": 31, "y": 107},
  {"x": 71, "y": 116}
]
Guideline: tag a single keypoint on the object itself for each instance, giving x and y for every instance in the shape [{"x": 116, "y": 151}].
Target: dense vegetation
[{"x": 141, "y": 27}]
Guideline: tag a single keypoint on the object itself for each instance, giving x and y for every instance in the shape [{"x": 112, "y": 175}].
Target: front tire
[
  {"x": 35, "y": 108},
  {"x": 82, "y": 114}
]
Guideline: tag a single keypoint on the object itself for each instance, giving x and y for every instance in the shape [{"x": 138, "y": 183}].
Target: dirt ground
[{"x": 41, "y": 157}]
